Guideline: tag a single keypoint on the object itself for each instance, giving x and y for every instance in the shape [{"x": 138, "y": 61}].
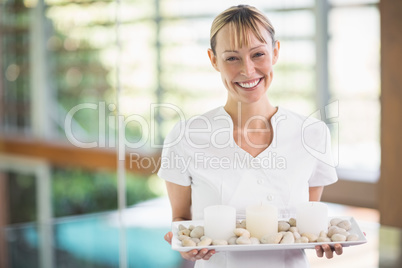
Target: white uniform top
[{"x": 201, "y": 152}]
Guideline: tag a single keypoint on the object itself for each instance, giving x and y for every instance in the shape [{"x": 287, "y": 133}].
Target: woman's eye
[
  {"x": 259, "y": 54},
  {"x": 231, "y": 59}
]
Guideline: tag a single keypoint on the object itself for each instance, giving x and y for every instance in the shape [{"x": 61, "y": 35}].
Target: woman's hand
[
  {"x": 315, "y": 195},
  {"x": 328, "y": 251},
  {"x": 192, "y": 255},
  {"x": 180, "y": 200}
]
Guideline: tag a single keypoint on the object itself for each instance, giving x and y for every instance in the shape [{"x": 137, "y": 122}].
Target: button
[
  {"x": 260, "y": 181},
  {"x": 270, "y": 197},
  {"x": 255, "y": 163}
]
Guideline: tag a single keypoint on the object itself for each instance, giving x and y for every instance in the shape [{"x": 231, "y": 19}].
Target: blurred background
[{"x": 69, "y": 69}]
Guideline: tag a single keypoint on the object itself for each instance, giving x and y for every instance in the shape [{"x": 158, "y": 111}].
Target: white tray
[{"x": 176, "y": 243}]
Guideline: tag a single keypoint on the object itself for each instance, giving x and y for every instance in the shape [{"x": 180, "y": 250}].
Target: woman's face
[{"x": 247, "y": 71}]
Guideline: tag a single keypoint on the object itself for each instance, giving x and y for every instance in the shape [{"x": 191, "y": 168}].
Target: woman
[{"x": 247, "y": 151}]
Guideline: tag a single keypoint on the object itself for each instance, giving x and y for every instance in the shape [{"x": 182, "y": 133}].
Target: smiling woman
[{"x": 244, "y": 51}]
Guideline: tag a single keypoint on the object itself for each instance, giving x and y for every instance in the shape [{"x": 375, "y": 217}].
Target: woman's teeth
[{"x": 249, "y": 85}]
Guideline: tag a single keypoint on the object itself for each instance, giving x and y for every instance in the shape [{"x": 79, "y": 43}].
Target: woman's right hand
[{"x": 192, "y": 255}]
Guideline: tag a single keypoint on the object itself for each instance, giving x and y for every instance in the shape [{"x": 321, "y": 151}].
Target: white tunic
[{"x": 201, "y": 152}]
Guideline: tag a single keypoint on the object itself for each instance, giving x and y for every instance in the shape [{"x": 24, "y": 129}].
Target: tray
[{"x": 176, "y": 243}]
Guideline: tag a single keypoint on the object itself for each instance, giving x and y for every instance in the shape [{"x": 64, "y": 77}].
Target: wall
[{"x": 390, "y": 185}]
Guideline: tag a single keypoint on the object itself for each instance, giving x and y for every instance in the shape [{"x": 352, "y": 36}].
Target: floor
[{"x": 361, "y": 256}]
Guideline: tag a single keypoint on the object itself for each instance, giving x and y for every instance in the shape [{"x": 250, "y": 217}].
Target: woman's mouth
[{"x": 249, "y": 84}]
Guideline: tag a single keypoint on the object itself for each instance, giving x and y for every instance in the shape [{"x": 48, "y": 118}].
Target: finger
[
  {"x": 319, "y": 251},
  {"x": 190, "y": 255},
  {"x": 168, "y": 237},
  {"x": 208, "y": 255},
  {"x": 338, "y": 249},
  {"x": 328, "y": 251},
  {"x": 201, "y": 254}
]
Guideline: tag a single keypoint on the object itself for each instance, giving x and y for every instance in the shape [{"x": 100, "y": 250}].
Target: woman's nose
[{"x": 248, "y": 67}]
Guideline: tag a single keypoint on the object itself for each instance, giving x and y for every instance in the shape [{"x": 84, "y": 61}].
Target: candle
[
  {"x": 219, "y": 222},
  {"x": 261, "y": 220},
  {"x": 312, "y": 217}
]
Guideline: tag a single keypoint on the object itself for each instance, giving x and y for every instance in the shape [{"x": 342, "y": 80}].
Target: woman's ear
[
  {"x": 213, "y": 59},
  {"x": 277, "y": 47}
]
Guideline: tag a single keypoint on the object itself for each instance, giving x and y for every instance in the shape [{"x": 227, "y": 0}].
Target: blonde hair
[{"x": 241, "y": 18}]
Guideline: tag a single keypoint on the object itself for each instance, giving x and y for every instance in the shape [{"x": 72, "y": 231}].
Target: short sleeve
[
  {"x": 318, "y": 144},
  {"x": 174, "y": 162},
  {"x": 323, "y": 175}
]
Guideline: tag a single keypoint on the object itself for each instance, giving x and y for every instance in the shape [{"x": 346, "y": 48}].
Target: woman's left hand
[{"x": 328, "y": 251}]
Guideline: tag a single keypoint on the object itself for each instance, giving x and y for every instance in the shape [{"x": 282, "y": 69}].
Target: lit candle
[
  {"x": 261, "y": 220},
  {"x": 312, "y": 217},
  {"x": 219, "y": 222}
]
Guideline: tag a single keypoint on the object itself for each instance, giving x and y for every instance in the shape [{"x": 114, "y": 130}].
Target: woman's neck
[{"x": 250, "y": 115}]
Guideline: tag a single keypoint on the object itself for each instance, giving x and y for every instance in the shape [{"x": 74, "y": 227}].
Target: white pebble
[
  {"x": 205, "y": 242},
  {"x": 184, "y": 232},
  {"x": 341, "y": 231},
  {"x": 338, "y": 238},
  {"x": 271, "y": 238},
  {"x": 196, "y": 240},
  {"x": 352, "y": 237},
  {"x": 296, "y": 235},
  {"x": 232, "y": 240},
  {"x": 302, "y": 239},
  {"x": 335, "y": 230},
  {"x": 243, "y": 224},
  {"x": 182, "y": 237},
  {"x": 188, "y": 243},
  {"x": 241, "y": 232},
  {"x": 197, "y": 232},
  {"x": 345, "y": 225},
  {"x": 311, "y": 237},
  {"x": 292, "y": 222},
  {"x": 335, "y": 221},
  {"x": 219, "y": 242},
  {"x": 323, "y": 234},
  {"x": 243, "y": 240},
  {"x": 283, "y": 226},
  {"x": 293, "y": 229},
  {"x": 323, "y": 239},
  {"x": 288, "y": 238},
  {"x": 254, "y": 240}
]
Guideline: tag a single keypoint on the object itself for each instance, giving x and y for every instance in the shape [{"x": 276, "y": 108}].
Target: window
[{"x": 354, "y": 80}]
